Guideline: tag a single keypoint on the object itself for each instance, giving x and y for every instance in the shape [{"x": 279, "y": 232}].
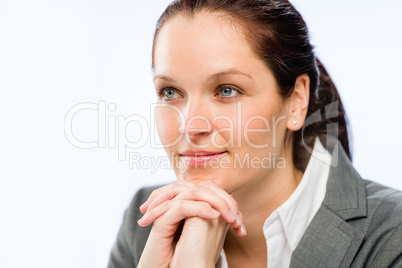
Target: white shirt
[{"x": 284, "y": 228}]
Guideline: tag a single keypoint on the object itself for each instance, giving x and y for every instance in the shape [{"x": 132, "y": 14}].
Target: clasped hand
[{"x": 190, "y": 223}]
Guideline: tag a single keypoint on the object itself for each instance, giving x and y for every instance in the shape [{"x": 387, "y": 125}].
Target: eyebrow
[{"x": 216, "y": 76}]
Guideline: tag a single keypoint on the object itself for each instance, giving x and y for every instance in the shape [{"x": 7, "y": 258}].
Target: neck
[{"x": 257, "y": 202}]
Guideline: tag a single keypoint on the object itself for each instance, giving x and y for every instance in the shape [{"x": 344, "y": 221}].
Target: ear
[{"x": 299, "y": 103}]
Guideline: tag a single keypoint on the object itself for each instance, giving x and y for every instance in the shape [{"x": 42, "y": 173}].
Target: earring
[{"x": 294, "y": 122}]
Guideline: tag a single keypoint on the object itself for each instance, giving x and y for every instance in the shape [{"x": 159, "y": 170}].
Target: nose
[{"x": 198, "y": 119}]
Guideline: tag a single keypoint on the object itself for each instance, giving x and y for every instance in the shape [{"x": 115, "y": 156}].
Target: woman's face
[{"x": 235, "y": 120}]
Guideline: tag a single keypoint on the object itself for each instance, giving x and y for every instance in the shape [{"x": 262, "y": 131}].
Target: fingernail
[
  {"x": 243, "y": 229},
  {"x": 238, "y": 219},
  {"x": 232, "y": 216},
  {"x": 215, "y": 213},
  {"x": 140, "y": 220}
]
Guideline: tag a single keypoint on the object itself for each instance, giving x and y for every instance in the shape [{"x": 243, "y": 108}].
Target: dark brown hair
[{"x": 279, "y": 36}]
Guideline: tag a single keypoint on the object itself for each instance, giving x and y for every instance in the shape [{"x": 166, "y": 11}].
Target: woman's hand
[
  {"x": 200, "y": 243},
  {"x": 200, "y": 205},
  {"x": 207, "y": 191}
]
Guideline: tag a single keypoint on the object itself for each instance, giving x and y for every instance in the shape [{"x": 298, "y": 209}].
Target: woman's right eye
[{"x": 168, "y": 93}]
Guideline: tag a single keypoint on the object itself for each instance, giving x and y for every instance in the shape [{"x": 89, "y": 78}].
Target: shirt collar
[{"x": 297, "y": 212}]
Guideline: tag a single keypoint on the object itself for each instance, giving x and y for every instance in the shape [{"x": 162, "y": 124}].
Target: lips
[
  {"x": 200, "y": 153},
  {"x": 197, "y": 158}
]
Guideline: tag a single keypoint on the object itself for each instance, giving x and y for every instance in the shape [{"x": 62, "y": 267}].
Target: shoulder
[
  {"x": 383, "y": 225},
  {"x": 383, "y": 203}
]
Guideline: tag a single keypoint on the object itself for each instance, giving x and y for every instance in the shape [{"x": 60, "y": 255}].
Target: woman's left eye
[{"x": 228, "y": 92}]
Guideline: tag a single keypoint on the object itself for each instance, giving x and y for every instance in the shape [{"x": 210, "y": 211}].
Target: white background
[{"x": 61, "y": 206}]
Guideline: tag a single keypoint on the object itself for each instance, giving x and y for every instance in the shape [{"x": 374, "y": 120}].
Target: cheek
[
  {"x": 263, "y": 129},
  {"x": 167, "y": 123}
]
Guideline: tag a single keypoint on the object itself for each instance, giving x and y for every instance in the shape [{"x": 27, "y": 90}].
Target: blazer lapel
[{"x": 330, "y": 241}]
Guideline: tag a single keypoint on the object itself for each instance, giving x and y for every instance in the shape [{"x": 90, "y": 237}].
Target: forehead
[{"x": 205, "y": 38}]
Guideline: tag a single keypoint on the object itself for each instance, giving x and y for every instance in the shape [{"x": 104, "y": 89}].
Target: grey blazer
[{"x": 359, "y": 224}]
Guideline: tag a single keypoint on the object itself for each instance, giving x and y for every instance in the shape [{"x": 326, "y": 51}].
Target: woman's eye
[
  {"x": 170, "y": 93},
  {"x": 228, "y": 92}
]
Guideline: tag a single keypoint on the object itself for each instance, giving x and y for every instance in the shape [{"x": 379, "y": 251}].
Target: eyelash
[
  {"x": 161, "y": 92},
  {"x": 218, "y": 89}
]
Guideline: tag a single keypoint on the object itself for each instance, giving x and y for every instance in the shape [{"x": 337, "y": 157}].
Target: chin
[
  {"x": 197, "y": 178},
  {"x": 217, "y": 179}
]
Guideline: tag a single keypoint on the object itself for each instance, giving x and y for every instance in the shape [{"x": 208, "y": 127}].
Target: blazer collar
[
  {"x": 346, "y": 192},
  {"x": 330, "y": 240}
]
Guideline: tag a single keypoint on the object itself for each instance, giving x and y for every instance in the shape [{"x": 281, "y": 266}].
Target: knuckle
[
  {"x": 160, "y": 189},
  {"x": 234, "y": 204},
  {"x": 202, "y": 208},
  {"x": 150, "y": 207},
  {"x": 167, "y": 203},
  {"x": 181, "y": 205},
  {"x": 150, "y": 214},
  {"x": 196, "y": 187},
  {"x": 155, "y": 193},
  {"x": 175, "y": 186},
  {"x": 193, "y": 192},
  {"x": 221, "y": 203},
  {"x": 204, "y": 204}
]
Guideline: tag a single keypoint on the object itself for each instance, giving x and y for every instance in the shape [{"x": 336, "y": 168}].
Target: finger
[
  {"x": 199, "y": 192},
  {"x": 178, "y": 186},
  {"x": 167, "y": 193},
  {"x": 229, "y": 199},
  {"x": 179, "y": 210},
  {"x": 241, "y": 229}
]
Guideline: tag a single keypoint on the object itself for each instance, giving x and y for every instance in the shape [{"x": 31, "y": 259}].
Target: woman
[{"x": 262, "y": 155}]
